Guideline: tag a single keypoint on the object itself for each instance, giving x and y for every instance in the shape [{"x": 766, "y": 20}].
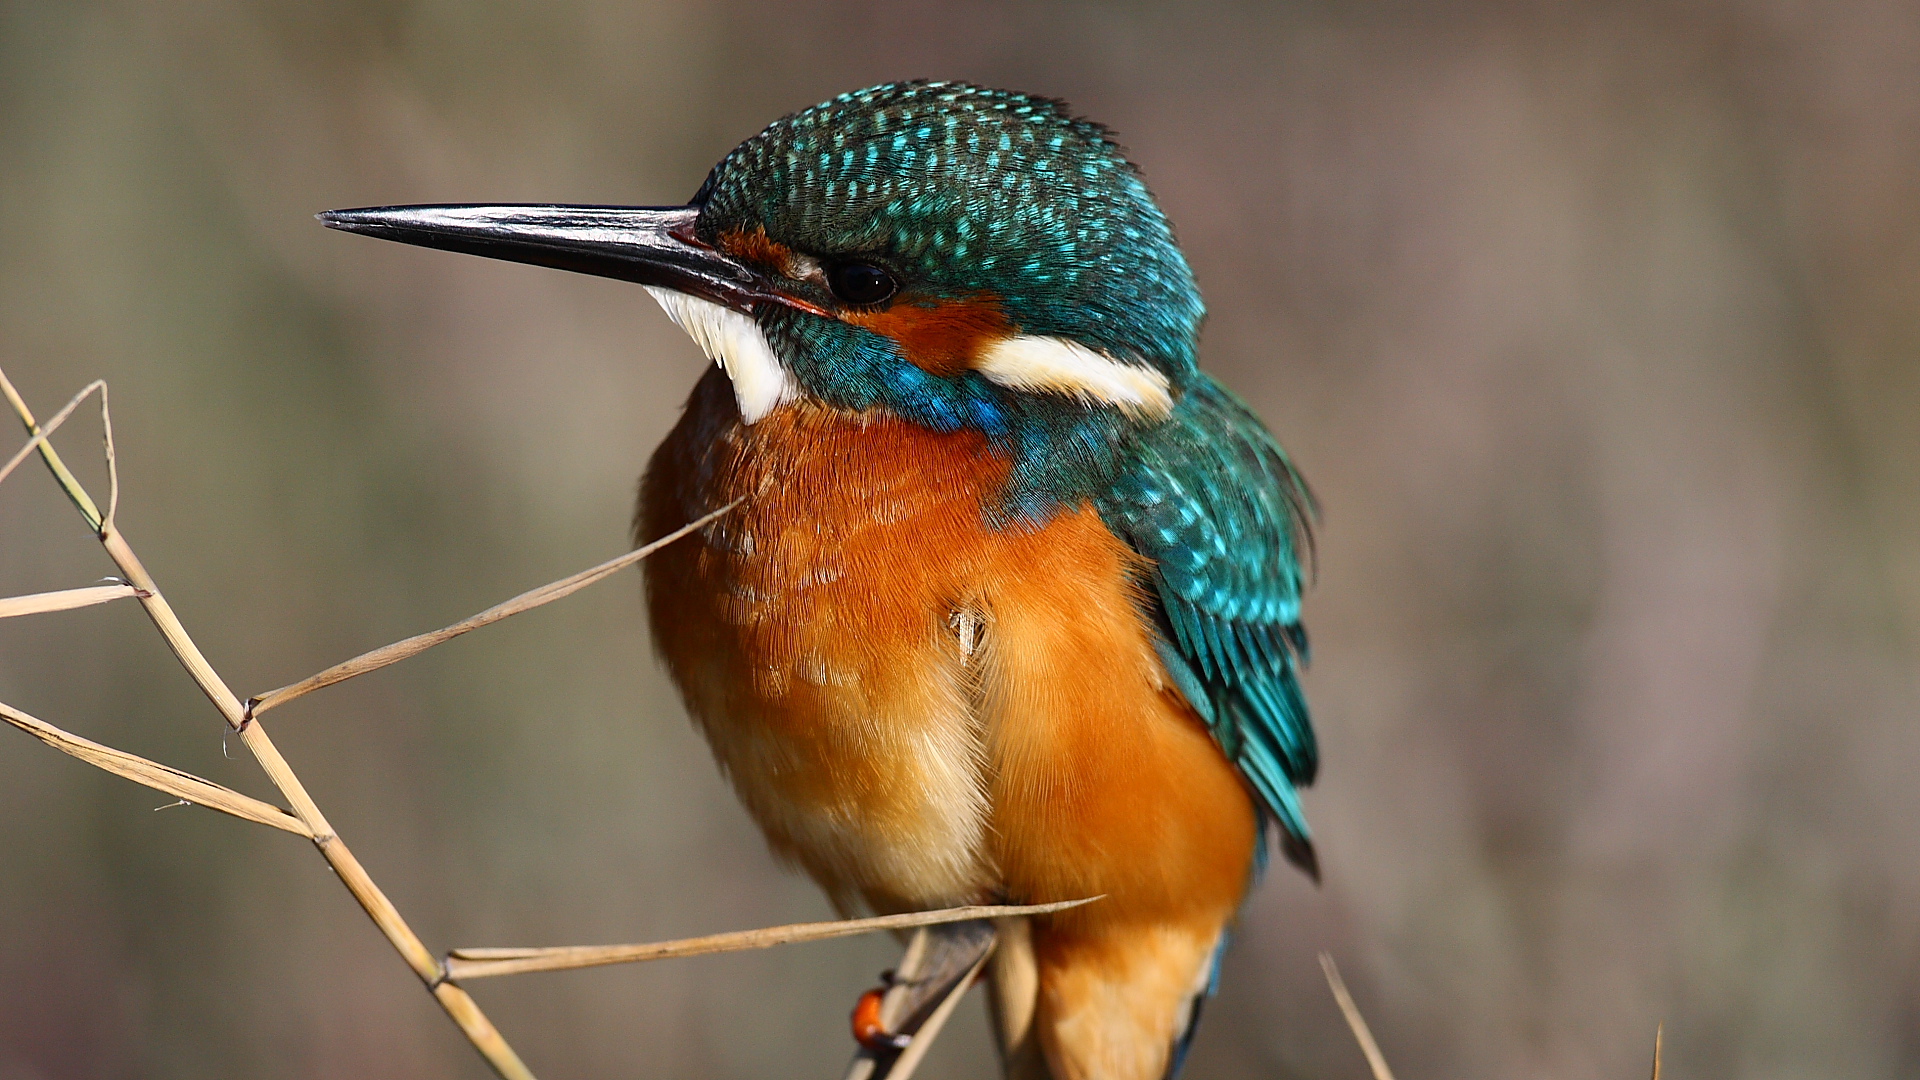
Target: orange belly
[{"x": 920, "y": 709}]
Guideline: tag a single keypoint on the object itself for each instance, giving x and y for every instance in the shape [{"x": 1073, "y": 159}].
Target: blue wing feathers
[{"x": 1213, "y": 501}]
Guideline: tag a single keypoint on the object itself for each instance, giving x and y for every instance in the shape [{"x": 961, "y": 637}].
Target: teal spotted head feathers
[{"x": 944, "y": 222}]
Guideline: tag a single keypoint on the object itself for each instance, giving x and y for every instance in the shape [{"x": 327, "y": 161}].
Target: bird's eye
[{"x": 860, "y": 282}]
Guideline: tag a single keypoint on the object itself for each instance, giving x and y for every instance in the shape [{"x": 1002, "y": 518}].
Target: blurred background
[{"x": 1596, "y": 327}]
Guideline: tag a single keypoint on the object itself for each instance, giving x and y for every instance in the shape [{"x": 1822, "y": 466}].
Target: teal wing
[{"x": 1213, "y": 501}]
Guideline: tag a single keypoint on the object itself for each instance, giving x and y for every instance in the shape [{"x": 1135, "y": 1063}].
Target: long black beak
[{"x": 650, "y": 245}]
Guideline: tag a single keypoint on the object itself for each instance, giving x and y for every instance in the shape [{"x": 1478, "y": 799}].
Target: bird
[{"x": 1008, "y": 605}]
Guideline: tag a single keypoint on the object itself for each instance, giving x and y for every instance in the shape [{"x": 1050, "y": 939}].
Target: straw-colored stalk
[
  {"x": 305, "y": 817},
  {"x": 419, "y": 643},
  {"x": 458, "y": 1005},
  {"x": 183, "y": 785},
  {"x": 64, "y": 600},
  {"x": 1362, "y": 1034},
  {"x": 484, "y": 963}
]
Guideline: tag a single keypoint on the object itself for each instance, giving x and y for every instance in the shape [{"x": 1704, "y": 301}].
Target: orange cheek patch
[{"x": 942, "y": 338}]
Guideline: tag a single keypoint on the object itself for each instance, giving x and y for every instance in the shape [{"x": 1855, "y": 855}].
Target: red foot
[{"x": 867, "y": 1029}]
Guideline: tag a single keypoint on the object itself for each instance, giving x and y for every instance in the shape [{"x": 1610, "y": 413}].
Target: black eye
[{"x": 860, "y": 282}]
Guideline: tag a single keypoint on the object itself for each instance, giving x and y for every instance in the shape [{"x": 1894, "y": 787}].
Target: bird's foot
[{"x": 868, "y": 1031}]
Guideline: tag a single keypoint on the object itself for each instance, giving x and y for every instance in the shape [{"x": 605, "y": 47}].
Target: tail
[
  {"x": 1013, "y": 991},
  {"x": 1204, "y": 987},
  {"x": 1013, "y": 997}
]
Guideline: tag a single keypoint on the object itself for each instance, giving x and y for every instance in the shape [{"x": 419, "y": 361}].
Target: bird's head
[{"x": 959, "y": 256}]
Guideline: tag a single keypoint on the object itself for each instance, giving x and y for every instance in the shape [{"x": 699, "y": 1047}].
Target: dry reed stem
[
  {"x": 64, "y": 600},
  {"x": 455, "y": 1001},
  {"x": 181, "y": 785},
  {"x": 38, "y": 440},
  {"x": 485, "y": 963},
  {"x": 39, "y": 437},
  {"x": 1363, "y": 1035},
  {"x": 419, "y": 643}
]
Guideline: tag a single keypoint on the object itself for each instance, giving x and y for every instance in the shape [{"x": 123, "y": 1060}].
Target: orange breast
[{"x": 917, "y": 708}]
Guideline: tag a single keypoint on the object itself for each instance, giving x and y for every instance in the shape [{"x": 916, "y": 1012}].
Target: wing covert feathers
[{"x": 1223, "y": 515}]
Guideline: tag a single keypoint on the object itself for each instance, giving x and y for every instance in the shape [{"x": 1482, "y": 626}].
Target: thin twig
[
  {"x": 485, "y": 963},
  {"x": 113, "y": 463},
  {"x": 458, "y": 1005},
  {"x": 37, "y": 439},
  {"x": 419, "y": 643},
  {"x": 1376, "y": 1061},
  {"x": 1658, "y": 1034},
  {"x": 181, "y": 785},
  {"x": 64, "y": 600},
  {"x": 81, "y": 500}
]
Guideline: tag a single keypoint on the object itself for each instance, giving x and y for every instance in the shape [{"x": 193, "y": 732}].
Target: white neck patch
[
  {"x": 1067, "y": 367},
  {"x": 734, "y": 341}
]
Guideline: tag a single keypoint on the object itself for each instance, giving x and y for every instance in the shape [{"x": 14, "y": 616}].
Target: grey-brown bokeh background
[{"x": 1595, "y": 327}]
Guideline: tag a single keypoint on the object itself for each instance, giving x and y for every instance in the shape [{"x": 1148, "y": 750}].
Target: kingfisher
[{"x": 1008, "y": 607}]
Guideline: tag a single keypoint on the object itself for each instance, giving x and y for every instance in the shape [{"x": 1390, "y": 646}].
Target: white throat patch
[
  {"x": 734, "y": 341},
  {"x": 1067, "y": 367}
]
